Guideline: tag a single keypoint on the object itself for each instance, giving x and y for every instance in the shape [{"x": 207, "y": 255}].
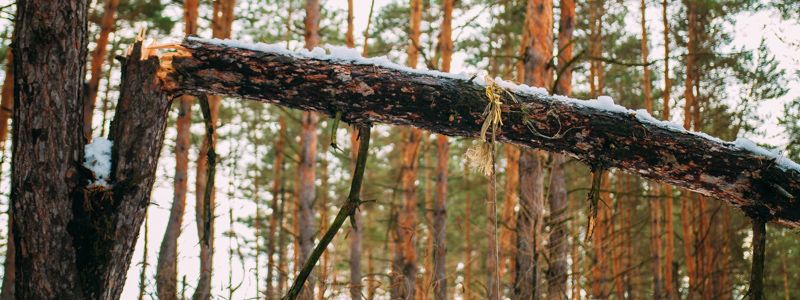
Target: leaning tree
[{"x": 75, "y": 235}]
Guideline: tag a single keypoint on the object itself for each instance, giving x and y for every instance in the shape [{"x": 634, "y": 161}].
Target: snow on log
[{"x": 598, "y": 132}]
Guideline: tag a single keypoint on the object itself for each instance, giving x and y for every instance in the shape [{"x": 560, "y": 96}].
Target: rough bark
[
  {"x": 46, "y": 146},
  {"x": 167, "y": 268},
  {"x": 405, "y": 259},
  {"x": 529, "y": 217},
  {"x": 76, "y": 241},
  {"x": 557, "y": 246},
  {"x": 618, "y": 140}
]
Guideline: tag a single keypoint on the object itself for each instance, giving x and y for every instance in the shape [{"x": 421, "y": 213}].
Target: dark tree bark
[
  {"x": 367, "y": 93},
  {"x": 76, "y": 241},
  {"x": 49, "y": 58},
  {"x": 529, "y": 217}
]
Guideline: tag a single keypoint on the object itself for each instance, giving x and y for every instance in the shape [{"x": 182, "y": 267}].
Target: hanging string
[{"x": 482, "y": 156}]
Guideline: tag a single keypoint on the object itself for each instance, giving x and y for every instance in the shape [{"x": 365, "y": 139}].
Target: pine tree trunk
[
  {"x": 688, "y": 238},
  {"x": 167, "y": 268},
  {"x": 274, "y": 219},
  {"x": 492, "y": 256},
  {"x": 558, "y": 245},
  {"x": 442, "y": 152},
  {"x": 221, "y": 24},
  {"x": 557, "y": 266},
  {"x": 76, "y": 246},
  {"x": 529, "y": 218},
  {"x": 655, "y": 203},
  {"x": 44, "y": 207},
  {"x": 670, "y": 277},
  {"x": 355, "y": 234},
  {"x": 508, "y": 219},
  {"x": 405, "y": 260},
  {"x": 324, "y": 261},
  {"x": 308, "y": 159},
  {"x": 96, "y": 68}
]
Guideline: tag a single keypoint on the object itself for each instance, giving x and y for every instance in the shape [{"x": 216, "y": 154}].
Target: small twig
[{"x": 348, "y": 210}]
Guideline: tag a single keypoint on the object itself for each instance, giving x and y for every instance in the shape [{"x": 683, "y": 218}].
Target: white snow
[
  {"x": 97, "y": 158},
  {"x": 604, "y": 103}
]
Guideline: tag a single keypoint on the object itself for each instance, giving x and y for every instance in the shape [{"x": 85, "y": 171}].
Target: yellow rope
[{"x": 480, "y": 156}]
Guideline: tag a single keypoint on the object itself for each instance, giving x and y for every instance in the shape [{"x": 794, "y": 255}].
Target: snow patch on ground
[
  {"x": 97, "y": 158},
  {"x": 604, "y": 103}
]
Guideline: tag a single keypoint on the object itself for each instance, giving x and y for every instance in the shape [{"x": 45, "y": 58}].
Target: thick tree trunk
[
  {"x": 529, "y": 217},
  {"x": 557, "y": 270},
  {"x": 742, "y": 178},
  {"x": 655, "y": 203},
  {"x": 508, "y": 238},
  {"x": 96, "y": 67},
  {"x": 76, "y": 241},
  {"x": 405, "y": 260},
  {"x": 167, "y": 268},
  {"x": 308, "y": 160},
  {"x": 557, "y": 267},
  {"x": 47, "y": 147},
  {"x": 687, "y": 226},
  {"x": 442, "y": 149}
]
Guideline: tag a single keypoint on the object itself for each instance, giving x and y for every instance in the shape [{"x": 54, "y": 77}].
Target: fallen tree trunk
[{"x": 595, "y": 132}]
